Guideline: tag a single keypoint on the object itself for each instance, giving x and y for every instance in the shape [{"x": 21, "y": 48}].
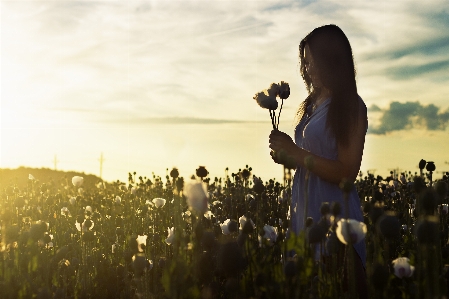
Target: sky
[{"x": 153, "y": 85}]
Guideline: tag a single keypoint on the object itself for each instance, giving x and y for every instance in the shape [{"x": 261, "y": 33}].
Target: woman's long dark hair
[{"x": 332, "y": 56}]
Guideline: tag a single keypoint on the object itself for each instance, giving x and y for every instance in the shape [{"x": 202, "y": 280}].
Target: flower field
[{"x": 201, "y": 237}]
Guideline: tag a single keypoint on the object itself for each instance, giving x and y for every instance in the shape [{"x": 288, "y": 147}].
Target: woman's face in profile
[{"x": 311, "y": 69}]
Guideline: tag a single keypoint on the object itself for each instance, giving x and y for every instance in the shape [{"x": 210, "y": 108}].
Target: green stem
[
  {"x": 306, "y": 197},
  {"x": 279, "y": 115},
  {"x": 272, "y": 116}
]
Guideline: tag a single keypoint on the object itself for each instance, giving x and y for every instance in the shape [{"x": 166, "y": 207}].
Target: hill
[{"x": 19, "y": 176}]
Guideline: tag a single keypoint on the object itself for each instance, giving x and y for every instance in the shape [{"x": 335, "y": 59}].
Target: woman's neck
[{"x": 321, "y": 97}]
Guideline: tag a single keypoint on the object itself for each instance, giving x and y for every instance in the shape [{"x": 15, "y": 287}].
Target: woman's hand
[
  {"x": 279, "y": 141},
  {"x": 275, "y": 157}
]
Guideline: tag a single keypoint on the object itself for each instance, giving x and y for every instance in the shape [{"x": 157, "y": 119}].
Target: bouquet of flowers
[{"x": 267, "y": 99}]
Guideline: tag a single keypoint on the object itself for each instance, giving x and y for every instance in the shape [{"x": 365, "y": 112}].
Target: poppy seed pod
[
  {"x": 132, "y": 243},
  {"x": 336, "y": 208},
  {"x": 174, "y": 173},
  {"x": 422, "y": 164},
  {"x": 241, "y": 239},
  {"x": 332, "y": 243},
  {"x": 430, "y": 166},
  {"x": 309, "y": 221},
  {"x": 427, "y": 202},
  {"x": 258, "y": 186},
  {"x": 325, "y": 208},
  {"x": 253, "y": 205},
  {"x": 427, "y": 230},
  {"x": 441, "y": 188},
  {"x": 245, "y": 174},
  {"x": 388, "y": 225},
  {"x": 418, "y": 184},
  {"x": 284, "y": 90},
  {"x": 232, "y": 226},
  {"x": 88, "y": 223},
  {"x": 139, "y": 263},
  {"x": 273, "y": 90},
  {"x": 324, "y": 223},
  {"x": 266, "y": 101},
  {"x": 375, "y": 213},
  {"x": 366, "y": 207},
  {"x": 346, "y": 186},
  {"x": 246, "y": 225},
  {"x": 89, "y": 236},
  {"x": 202, "y": 172},
  {"x": 316, "y": 233}
]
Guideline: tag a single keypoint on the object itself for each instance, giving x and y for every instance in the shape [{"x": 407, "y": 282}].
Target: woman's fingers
[{"x": 278, "y": 140}]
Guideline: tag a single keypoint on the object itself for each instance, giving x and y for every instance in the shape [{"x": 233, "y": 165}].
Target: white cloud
[{"x": 104, "y": 60}]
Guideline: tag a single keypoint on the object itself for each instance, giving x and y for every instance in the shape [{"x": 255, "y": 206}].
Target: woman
[{"x": 331, "y": 130}]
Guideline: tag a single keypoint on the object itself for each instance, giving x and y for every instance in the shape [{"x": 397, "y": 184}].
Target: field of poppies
[{"x": 202, "y": 237}]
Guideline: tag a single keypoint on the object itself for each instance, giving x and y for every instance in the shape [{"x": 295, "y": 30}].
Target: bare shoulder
[{"x": 363, "y": 114}]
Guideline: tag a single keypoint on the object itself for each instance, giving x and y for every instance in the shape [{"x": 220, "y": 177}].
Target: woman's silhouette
[{"x": 332, "y": 123}]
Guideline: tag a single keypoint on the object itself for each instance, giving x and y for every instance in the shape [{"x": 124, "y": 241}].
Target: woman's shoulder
[
  {"x": 361, "y": 101},
  {"x": 363, "y": 111},
  {"x": 361, "y": 104}
]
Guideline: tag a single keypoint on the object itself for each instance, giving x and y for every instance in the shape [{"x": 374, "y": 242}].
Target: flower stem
[
  {"x": 279, "y": 115},
  {"x": 306, "y": 198},
  {"x": 272, "y": 116}
]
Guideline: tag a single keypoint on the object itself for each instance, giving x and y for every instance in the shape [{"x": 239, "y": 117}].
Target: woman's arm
[{"x": 346, "y": 166}]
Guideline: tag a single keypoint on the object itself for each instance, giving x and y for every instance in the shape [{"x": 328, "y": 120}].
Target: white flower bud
[{"x": 77, "y": 181}]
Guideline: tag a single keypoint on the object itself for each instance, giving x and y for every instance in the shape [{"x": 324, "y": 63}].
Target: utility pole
[
  {"x": 55, "y": 162},
  {"x": 101, "y": 165}
]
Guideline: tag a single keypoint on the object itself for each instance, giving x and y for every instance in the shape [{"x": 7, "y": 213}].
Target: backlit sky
[{"x": 158, "y": 84}]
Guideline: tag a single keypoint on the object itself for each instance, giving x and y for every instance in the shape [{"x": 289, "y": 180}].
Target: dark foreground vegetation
[{"x": 199, "y": 237}]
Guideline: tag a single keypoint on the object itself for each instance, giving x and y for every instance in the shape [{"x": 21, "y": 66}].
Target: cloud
[
  {"x": 404, "y": 116},
  {"x": 416, "y": 46},
  {"x": 208, "y": 58},
  {"x": 374, "y": 108},
  {"x": 429, "y": 47},
  {"x": 179, "y": 121},
  {"x": 406, "y": 72}
]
